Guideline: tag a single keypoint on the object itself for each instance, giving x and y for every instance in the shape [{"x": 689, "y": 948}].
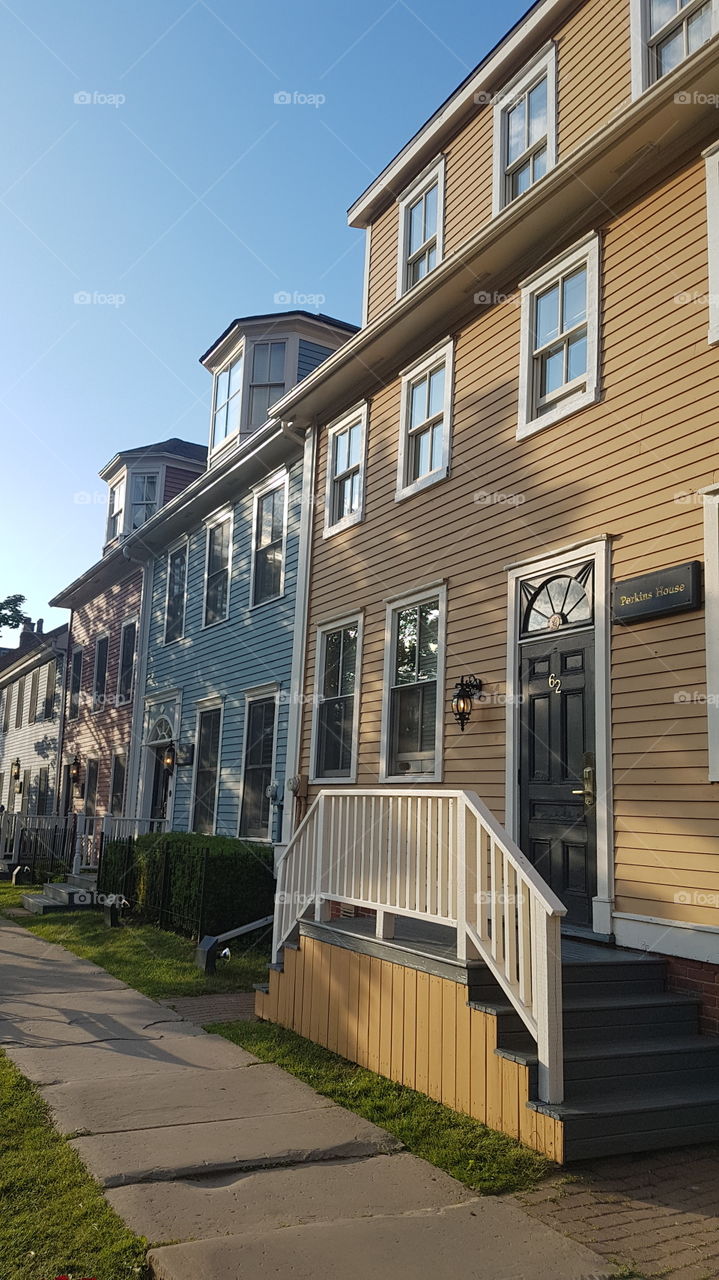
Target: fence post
[
  {"x": 17, "y": 832},
  {"x": 460, "y": 871},
  {"x": 80, "y": 823},
  {"x": 201, "y": 912}
]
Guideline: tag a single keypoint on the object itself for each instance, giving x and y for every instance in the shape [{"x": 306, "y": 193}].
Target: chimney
[
  {"x": 38, "y": 626},
  {"x": 27, "y": 636}
]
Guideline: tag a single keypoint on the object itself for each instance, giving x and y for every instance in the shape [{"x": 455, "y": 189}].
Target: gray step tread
[
  {"x": 623, "y": 1049},
  {"x": 617, "y": 1097},
  {"x": 34, "y": 900},
  {"x": 628, "y": 1000}
]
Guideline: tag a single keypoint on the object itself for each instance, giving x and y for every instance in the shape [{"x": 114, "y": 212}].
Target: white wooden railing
[
  {"x": 440, "y": 856},
  {"x": 129, "y": 828}
]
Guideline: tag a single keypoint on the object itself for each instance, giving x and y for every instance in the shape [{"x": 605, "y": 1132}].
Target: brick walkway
[
  {"x": 228, "y": 1007},
  {"x": 656, "y": 1213}
]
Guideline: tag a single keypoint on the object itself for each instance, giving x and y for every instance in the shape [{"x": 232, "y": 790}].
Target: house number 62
[{"x": 555, "y": 683}]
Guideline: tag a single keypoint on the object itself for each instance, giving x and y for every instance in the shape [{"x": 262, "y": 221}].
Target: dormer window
[
  {"x": 228, "y": 401},
  {"x": 144, "y": 498},
  {"x": 268, "y": 380},
  {"x": 117, "y": 502}
]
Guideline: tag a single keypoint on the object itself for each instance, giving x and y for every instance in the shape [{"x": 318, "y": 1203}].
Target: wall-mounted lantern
[
  {"x": 466, "y": 690},
  {"x": 169, "y": 756},
  {"x": 75, "y": 770},
  {"x": 15, "y": 769}
]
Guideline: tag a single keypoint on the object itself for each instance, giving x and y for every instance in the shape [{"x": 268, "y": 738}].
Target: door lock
[{"x": 588, "y": 789}]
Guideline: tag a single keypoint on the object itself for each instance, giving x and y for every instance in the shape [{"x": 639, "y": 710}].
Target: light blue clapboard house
[{"x": 216, "y": 657}]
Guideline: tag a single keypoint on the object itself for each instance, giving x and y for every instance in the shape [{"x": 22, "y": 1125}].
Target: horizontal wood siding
[
  {"x": 100, "y": 734},
  {"x": 593, "y": 86},
  {"x": 311, "y": 354},
  {"x": 410, "y": 1026},
  {"x": 630, "y": 467},
  {"x": 35, "y": 745},
  {"x": 253, "y": 647},
  {"x": 177, "y": 479}
]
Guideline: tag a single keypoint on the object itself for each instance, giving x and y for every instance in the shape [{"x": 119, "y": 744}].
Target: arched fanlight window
[
  {"x": 561, "y": 601},
  {"x": 161, "y": 730}
]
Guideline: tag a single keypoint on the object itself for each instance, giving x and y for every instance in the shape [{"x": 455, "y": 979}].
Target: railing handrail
[{"x": 409, "y": 851}]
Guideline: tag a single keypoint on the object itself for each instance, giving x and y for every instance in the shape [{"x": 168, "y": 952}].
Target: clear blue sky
[{"x": 197, "y": 199}]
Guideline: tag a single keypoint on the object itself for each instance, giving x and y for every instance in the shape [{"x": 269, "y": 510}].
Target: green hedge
[{"x": 190, "y": 883}]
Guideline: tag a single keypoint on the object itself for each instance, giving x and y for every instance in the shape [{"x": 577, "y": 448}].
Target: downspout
[
  {"x": 299, "y": 634},
  {"x": 138, "y": 701}
]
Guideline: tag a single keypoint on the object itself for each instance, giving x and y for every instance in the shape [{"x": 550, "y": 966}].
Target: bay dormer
[
  {"x": 142, "y": 480},
  {"x": 255, "y": 361}
]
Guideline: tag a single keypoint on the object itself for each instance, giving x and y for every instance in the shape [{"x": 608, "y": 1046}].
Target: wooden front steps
[{"x": 638, "y": 1075}]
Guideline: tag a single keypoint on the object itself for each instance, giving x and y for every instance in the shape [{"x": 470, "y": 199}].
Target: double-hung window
[
  {"x": 525, "y": 130},
  {"x": 559, "y": 360},
  {"x": 267, "y": 383},
  {"x": 259, "y": 758},
  {"x": 209, "y": 725},
  {"x": 217, "y": 575},
  {"x": 144, "y": 498},
  {"x": 269, "y": 542},
  {"x": 664, "y": 33},
  {"x": 99, "y": 678},
  {"x": 414, "y": 678},
  {"x": 73, "y": 710},
  {"x": 338, "y": 657},
  {"x": 116, "y": 512},
  {"x": 227, "y": 401},
  {"x": 345, "y": 471},
  {"x": 425, "y": 422},
  {"x": 176, "y": 588},
  {"x": 421, "y": 216},
  {"x": 126, "y": 668}
]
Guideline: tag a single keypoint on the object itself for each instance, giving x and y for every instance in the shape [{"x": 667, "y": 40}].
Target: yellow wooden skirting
[{"x": 410, "y": 1026}]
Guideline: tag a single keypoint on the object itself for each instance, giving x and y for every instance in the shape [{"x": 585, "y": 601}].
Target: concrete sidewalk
[{"x": 251, "y": 1171}]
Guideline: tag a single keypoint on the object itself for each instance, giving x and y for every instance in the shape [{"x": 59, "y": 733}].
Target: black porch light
[
  {"x": 75, "y": 769},
  {"x": 15, "y": 769},
  {"x": 169, "y": 756},
  {"x": 466, "y": 690}
]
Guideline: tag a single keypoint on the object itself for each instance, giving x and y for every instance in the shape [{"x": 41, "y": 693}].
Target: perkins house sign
[{"x": 652, "y": 595}]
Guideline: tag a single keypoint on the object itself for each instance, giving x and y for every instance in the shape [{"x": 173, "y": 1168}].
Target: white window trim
[
  {"x": 217, "y": 518},
  {"x": 435, "y": 172},
  {"x": 128, "y": 622},
  {"x": 711, "y": 604},
  {"x": 712, "y": 172},
  {"x": 352, "y": 620},
  {"x": 393, "y": 608},
  {"x": 245, "y": 347},
  {"x": 206, "y": 704},
  {"x": 122, "y": 486},
  {"x": 275, "y": 481},
  {"x": 444, "y": 352},
  {"x": 358, "y": 414},
  {"x": 639, "y": 20},
  {"x": 104, "y": 635},
  {"x": 258, "y": 694},
  {"x": 545, "y": 62},
  {"x": 587, "y": 250},
  {"x": 177, "y": 546}
]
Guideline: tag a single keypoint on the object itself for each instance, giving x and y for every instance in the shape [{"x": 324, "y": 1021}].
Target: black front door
[
  {"x": 160, "y": 785},
  {"x": 557, "y": 767}
]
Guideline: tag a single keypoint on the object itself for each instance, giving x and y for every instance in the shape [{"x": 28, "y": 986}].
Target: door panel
[{"x": 557, "y": 811}]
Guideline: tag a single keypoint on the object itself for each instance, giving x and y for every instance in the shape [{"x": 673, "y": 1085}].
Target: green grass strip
[
  {"x": 479, "y": 1157},
  {"x": 55, "y": 1220}
]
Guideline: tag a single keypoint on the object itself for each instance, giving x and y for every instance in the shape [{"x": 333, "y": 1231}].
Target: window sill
[
  {"x": 427, "y": 482},
  {"x": 270, "y": 600},
  {"x": 565, "y": 410},
  {"x": 347, "y": 780},
  {"x": 207, "y": 626},
  {"x": 330, "y": 530},
  {"x": 411, "y": 779}
]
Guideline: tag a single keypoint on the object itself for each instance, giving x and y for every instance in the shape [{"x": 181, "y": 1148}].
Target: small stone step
[
  {"x": 70, "y": 895},
  {"x": 87, "y": 881},
  {"x": 40, "y": 905}
]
